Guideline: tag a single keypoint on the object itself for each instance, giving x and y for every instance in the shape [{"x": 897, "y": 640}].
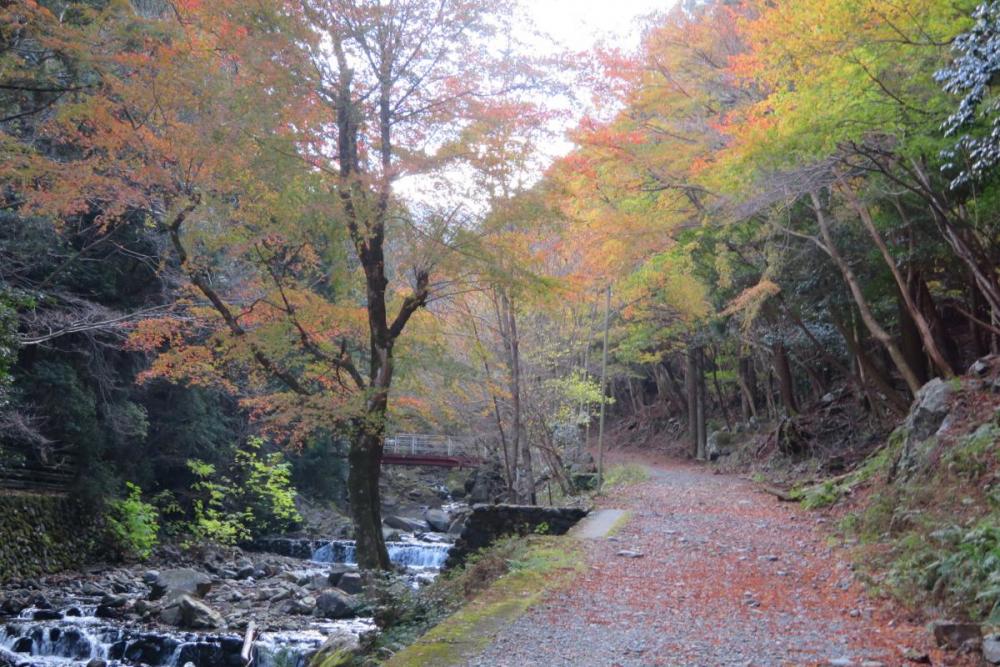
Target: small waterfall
[{"x": 411, "y": 554}]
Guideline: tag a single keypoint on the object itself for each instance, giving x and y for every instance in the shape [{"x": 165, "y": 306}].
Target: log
[{"x": 246, "y": 653}]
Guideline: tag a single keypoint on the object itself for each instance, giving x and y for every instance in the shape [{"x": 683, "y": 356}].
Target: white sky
[
  {"x": 576, "y": 26},
  {"x": 579, "y": 24}
]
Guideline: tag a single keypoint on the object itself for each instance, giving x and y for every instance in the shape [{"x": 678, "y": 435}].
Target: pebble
[{"x": 627, "y": 553}]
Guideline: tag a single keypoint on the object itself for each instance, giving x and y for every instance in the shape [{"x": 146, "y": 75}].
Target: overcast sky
[{"x": 579, "y": 24}]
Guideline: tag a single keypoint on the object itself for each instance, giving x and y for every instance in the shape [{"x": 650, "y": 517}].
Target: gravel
[{"x": 729, "y": 577}]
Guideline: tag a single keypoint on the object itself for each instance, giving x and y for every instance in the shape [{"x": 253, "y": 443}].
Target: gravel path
[{"x": 727, "y": 576}]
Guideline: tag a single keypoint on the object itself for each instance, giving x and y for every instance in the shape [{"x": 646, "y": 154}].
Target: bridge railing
[{"x": 416, "y": 444}]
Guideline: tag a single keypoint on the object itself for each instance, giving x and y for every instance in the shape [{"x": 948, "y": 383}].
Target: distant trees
[{"x": 773, "y": 196}]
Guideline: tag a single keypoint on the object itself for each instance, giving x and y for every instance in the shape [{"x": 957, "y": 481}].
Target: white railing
[{"x": 414, "y": 444}]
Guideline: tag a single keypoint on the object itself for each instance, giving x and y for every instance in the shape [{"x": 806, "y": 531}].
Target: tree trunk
[
  {"x": 692, "y": 396},
  {"x": 364, "y": 468},
  {"x": 909, "y": 340},
  {"x": 783, "y": 370},
  {"x": 718, "y": 389},
  {"x": 702, "y": 426},
  {"x": 748, "y": 388},
  {"x": 917, "y": 317},
  {"x": 880, "y": 334},
  {"x": 525, "y": 483},
  {"x": 869, "y": 372}
]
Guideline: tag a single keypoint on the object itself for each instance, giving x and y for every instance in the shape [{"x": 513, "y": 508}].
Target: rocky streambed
[
  {"x": 293, "y": 596},
  {"x": 197, "y": 610}
]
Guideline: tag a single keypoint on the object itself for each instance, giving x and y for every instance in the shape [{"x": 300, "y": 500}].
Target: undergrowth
[
  {"x": 828, "y": 493},
  {"x": 933, "y": 540}
]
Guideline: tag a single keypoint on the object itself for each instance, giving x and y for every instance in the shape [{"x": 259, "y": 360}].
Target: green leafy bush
[
  {"x": 211, "y": 521},
  {"x": 255, "y": 498},
  {"x": 264, "y": 489},
  {"x": 133, "y": 524}
]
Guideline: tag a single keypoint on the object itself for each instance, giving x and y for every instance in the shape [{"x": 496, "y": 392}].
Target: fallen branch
[
  {"x": 246, "y": 653},
  {"x": 780, "y": 494}
]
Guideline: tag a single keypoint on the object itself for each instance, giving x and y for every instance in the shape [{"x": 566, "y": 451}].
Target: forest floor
[{"x": 725, "y": 575}]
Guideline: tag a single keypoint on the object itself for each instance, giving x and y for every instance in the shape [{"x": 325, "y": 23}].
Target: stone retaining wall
[
  {"x": 44, "y": 533},
  {"x": 486, "y": 523}
]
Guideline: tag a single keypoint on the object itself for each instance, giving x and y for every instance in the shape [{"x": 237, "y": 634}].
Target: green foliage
[
  {"x": 570, "y": 393},
  {"x": 264, "y": 489},
  {"x": 828, "y": 493},
  {"x": 10, "y": 300},
  {"x": 256, "y": 497},
  {"x": 133, "y": 524},
  {"x": 211, "y": 521},
  {"x": 957, "y": 566}
]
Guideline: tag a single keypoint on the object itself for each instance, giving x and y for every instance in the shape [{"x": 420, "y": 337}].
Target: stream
[{"x": 75, "y": 634}]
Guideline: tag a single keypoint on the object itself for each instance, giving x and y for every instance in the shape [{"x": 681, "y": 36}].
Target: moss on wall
[{"x": 44, "y": 533}]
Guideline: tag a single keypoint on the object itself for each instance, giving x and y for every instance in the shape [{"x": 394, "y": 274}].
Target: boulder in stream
[
  {"x": 187, "y": 612},
  {"x": 439, "y": 520},
  {"x": 351, "y": 582},
  {"x": 182, "y": 581},
  {"x": 336, "y": 604},
  {"x": 339, "y": 650},
  {"x": 405, "y": 524}
]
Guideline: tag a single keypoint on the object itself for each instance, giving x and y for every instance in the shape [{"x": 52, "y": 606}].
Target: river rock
[
  {"x": 339, "y": 650},
  {"x": 13, "y": 606},
  {"x": 485, "y": 485},
  {"x": 405, "y": 524},
  {"x": 336, "y": 572},
  {"x": 458, "y": 525},
  {"x": 183, "y": 581},
  {"x": 335, "y": 604},
  {"x": 97, "y": 662},
  {"x": 954, "y": 635},
  {"x": 90, "y": 588},
  {"x": 246, "y": 572},
  {"x": 300, "y": 607},
  {"x": 351, "y": 583},
  {"x": 991, "y": 649},
  {"x": 104, "y": 611},
  {"x": 187, "y": 612},
  {"x": 439, "y": 520},
  {"x": 114, "y": 601}
]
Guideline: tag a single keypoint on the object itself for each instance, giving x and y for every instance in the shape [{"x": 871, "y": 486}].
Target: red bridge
[{"x": 445, "y": 451}]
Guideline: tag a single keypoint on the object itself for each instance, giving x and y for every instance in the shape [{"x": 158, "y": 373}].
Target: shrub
[
  {"x": 211, "y": 521},
  {"x": 133, "y": 524},
  {"x": 255, "y": 498},
  {"x": 264, "y": 489}
]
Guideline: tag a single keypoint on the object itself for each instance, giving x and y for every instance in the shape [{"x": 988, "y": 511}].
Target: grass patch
[
  {"x": 532, "y": 565},
  {"x": 625, "y": 475}
]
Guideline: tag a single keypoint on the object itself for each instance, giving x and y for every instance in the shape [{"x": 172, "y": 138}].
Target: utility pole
[{"x": 604, "y": 390}]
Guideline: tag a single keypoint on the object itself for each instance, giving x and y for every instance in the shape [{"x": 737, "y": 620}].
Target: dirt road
[{"x": 720, "y": 574}]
